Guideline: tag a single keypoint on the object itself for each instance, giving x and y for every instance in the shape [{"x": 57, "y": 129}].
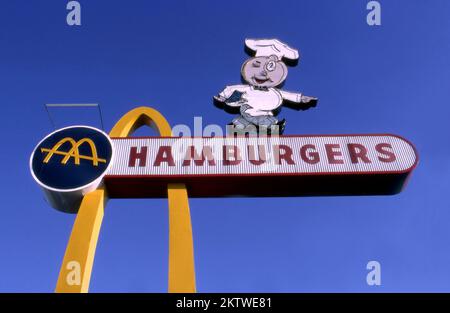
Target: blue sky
[{"x": 174, "y": 56}]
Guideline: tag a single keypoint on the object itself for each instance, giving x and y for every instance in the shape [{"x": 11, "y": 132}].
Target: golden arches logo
[{"x": 73, "y": 152}]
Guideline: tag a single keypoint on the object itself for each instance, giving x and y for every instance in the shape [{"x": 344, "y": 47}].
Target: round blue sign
[{"x": 71, "y": 158}]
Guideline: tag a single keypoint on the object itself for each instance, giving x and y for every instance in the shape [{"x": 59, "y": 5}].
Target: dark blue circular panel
[{"x": 91, "y": 147}]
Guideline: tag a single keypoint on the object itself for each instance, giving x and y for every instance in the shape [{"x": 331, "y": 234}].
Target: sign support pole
[
  {"x": 181, "y": 247},
  {"x": 181, "y": 252},
  {"x": 75, "y": 273}
]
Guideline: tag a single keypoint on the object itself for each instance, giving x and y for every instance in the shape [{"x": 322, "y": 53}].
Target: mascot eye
[
  {"x": 271, "y": 65},
  {"x": 256, "y": 64}
]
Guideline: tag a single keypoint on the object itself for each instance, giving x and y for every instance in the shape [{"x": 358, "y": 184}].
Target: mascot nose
[{"x": 263, "y": 73}]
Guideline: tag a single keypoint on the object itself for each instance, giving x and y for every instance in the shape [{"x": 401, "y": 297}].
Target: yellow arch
[
  {"x": 84, "y": 236},
  {"x": 56, "y": 147},
  {"x": 138, "y": 117},
  {"x": 73, "y": 152}
]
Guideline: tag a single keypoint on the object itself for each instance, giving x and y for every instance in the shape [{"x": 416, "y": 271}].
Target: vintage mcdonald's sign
[{"x": 78, "y": 166}]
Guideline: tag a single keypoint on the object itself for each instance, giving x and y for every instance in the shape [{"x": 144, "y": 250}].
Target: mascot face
[{"x": 264, "y": 71}]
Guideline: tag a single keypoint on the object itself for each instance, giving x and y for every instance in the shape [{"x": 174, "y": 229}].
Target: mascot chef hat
[{"x": 268, "y": 47}]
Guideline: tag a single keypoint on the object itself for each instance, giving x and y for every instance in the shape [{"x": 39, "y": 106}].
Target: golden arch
[
  {"x": 83, "y": 239},
  {"x": 73, "y": 152}
]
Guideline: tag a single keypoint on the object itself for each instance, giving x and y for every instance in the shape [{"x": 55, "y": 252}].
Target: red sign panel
[{"x": 261, "y": 166}]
